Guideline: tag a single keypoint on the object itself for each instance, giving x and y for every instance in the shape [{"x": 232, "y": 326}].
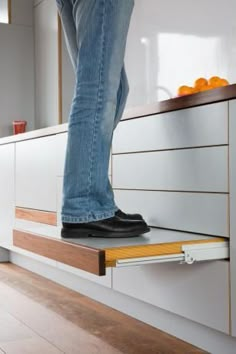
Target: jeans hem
[{"x": 88, "y": 218}]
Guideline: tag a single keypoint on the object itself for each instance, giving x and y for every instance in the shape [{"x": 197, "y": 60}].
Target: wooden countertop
[{"x": 198, "y": 99}]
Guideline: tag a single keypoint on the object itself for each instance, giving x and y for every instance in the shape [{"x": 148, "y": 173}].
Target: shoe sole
[{"x": 80, "y": 233}]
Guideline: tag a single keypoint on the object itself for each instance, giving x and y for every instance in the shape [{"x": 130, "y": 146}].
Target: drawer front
[
  {"x": 199, "y": 126},
  {"x": 60, "y": 146},
  {"x": 232, "y": 179},
  {"x": 36, "y": 173},
  {"x": 194, "y": 212},
  {"x": 7, "y": 191},
  {"x": 199, "y": 292},
  {"x": 202, "y": 169}
]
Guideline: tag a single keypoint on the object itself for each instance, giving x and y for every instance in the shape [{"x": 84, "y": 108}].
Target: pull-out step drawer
[{"x": 94, "y": 255}]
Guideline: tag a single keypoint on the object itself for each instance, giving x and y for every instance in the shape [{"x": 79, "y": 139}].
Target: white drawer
[
  {"x": 201, "y": 169},
  {"x": 36, "y": 173},
  {"x": 199, "y": 126},
  {"x": 199, "y": 292},
  {"x": 7, "y": 192},
  {"x": 194, "y": 212}
]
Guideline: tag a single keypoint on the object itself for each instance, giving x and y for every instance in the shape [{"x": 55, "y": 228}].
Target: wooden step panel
[
  {"x": 86, "y": 258},
  {"x": 40, "y": 216}
]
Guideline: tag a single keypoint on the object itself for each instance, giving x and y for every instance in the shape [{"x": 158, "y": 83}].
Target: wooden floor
[{"x": 38, "y": 316}]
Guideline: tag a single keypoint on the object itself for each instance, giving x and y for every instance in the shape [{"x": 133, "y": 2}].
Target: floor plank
[
  {"x": 69, "y": 320},
  {"x": 34, "y": 345},
  {"x": 11, "y": 329}
]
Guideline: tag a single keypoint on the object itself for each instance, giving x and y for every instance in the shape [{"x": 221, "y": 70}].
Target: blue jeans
[{"x": 95, "y": 33}]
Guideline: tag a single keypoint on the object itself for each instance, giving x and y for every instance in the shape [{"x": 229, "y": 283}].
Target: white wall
[
  {"x": 3, "y": 11},
  {"x": 46, "y": 63},
  {"x": 22, "y": 12},
  {"x": 17, "y": 77},
  {"x": 17, "y": 68},
  {"x": 170, "y": 44},
  {"x": 174, "y": 42}
]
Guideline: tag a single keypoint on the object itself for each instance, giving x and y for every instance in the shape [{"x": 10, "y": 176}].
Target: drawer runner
[{"x": 190, "y": 255}]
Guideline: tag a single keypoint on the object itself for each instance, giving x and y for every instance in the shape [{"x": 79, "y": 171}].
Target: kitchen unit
[{"x": 175, "y": 163}]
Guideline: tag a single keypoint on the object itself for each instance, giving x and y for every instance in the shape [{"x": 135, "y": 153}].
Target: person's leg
[
  {"x": 121, "y": 97},
  {"x": 122, "y": 224},
  {"x": 65, "y": 10},
  {"x": 101, "y": 29},
  {"x": 69, "y": 30}
]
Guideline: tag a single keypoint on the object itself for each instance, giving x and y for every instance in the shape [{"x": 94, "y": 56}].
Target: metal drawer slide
[{"x": 191, "y": 254}]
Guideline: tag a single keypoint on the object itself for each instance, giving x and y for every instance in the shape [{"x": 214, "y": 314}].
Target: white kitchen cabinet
[
  {"x": 199, "y": 292},
  {"x": 192, "y": 127},
  {"x": 7, "y": 191},
  {"x": 36, "y": 162}
]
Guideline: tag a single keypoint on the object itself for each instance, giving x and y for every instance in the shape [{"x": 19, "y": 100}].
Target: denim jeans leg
[
  {"x": 69, "y": 30},
  {"x": 101, "y": 39},
  {"x": 121, "y": 97},
  {"x": 65, "y": 10}
]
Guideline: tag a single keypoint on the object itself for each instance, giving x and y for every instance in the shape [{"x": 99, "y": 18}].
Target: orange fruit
[
  {"x": 205, "y": 88},
  {"x": 215, "y": 81},
  {"x": 196, "y": 89},
  {"x": 185, "y": 90},
  {"x": 224, "y": 82},
  {"x": 200, "y": 82}
]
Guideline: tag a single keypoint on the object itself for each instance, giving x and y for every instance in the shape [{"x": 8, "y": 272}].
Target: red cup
[{"x": 19, "y": 126}]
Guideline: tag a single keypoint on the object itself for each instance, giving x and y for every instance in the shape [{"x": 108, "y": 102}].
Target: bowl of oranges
[{"x": 202, "y": 84}]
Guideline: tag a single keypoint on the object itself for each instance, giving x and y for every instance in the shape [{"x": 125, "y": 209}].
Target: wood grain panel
[
  {"x": 86, "y": 258},
  {"x": 44, "y": 217},
  {"x": 197, "y": 99}
]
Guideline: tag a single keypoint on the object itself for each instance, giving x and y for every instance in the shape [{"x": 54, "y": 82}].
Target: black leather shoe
[
  {"x": 108, "y": 228},
  {"x": 125, "y": 216}
]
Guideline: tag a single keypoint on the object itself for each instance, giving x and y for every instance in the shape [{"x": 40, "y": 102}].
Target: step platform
[{"x": 94, "y": 255}]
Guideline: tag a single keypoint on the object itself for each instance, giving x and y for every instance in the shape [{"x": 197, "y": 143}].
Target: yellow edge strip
[{"x": 113, "y": 254}]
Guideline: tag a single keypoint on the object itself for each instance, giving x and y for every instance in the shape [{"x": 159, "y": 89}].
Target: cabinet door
[
  {"x": 199, "y": 292},
  {"x": 198, "y": 169},
  {"x": 205, "y": 213},
  {"x": 6, "y": 193},
  {"x": 232, "y": 182},
  {"x": 36, "y": 162}
]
